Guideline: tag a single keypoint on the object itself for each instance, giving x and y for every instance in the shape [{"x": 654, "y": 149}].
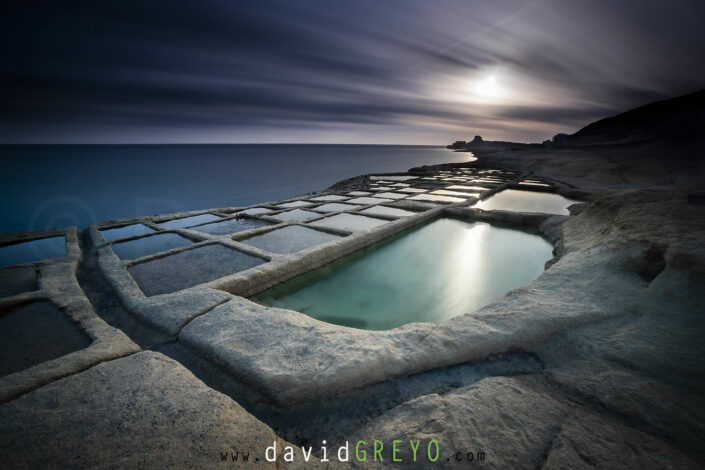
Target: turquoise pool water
[{"x": 429, "y": 274}]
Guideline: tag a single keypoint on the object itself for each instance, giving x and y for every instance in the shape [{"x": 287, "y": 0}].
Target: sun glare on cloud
[{"x": 486, "y": 89}]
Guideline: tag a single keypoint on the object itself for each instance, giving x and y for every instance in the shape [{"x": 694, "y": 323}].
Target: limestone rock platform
[{"x": 153, "y": 355}]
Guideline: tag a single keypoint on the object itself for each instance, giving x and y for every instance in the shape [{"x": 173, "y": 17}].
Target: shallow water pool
[
  {"x": 231, "y": 226},
  {"x": 189, "y": 221},
  {"x": 33, "y": 250},
  {"x": 527, "y": 201},
  {"x": 149, "y": 245},
  {"x": 189, "y": 268},
  {"x": 126, "y": 231},
  {"x": 34, "y": 334},
  {"x": 429, "y": 274},
  {"x": 290, "y": 239},
  {"x": 349, "y": 222}
]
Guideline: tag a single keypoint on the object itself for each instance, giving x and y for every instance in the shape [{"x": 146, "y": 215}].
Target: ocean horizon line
[{"x": 210, "y": 144}]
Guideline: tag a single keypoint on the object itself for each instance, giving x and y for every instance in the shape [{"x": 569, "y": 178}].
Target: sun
[{"x": 487, "y": 89}]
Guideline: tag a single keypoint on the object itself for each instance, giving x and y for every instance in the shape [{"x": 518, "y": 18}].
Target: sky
[{"x": 329, "y": 71}]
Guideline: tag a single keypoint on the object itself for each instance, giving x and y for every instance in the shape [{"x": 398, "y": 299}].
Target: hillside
[{"x": 677, "y": 118}]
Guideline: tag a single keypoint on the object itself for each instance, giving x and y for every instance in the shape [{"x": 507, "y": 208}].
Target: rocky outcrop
[
  {"x": 521, "y": 422},
  {"x": 623, "y": 391},
  {"x": 612, "y": 328},
  {"x": 142, "y": 411},
  {"x": 478, "y": 143}
]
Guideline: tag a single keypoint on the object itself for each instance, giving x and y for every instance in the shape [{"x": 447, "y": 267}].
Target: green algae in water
[{"x": 429, "y": 274}]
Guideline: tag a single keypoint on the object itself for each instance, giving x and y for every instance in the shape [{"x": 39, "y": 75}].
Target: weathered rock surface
[
  {"x": 142, "y": 411},
  {"x": 56, "y": 283},
  {"x": 600, "y": 277},
  {"x": 615, "y": 323},
  {"x": 517, "y": 423},
  {"x": 663, "y": 164},
  {"x": 646, "y": 366}
]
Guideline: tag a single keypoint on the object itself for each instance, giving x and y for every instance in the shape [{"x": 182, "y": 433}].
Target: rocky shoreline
[{"x": 598, "y": 363}]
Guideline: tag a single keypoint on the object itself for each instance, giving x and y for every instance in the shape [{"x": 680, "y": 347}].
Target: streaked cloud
[{"x": 322, "y": 71}]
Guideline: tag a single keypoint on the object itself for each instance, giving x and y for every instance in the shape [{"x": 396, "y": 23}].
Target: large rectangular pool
[{"x": 431, "y": 273}]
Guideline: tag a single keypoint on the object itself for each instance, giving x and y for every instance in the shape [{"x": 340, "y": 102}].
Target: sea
[{"x": 44, "y": 186}]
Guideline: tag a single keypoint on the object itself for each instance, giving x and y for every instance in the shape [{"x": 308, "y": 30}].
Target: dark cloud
[
  {"x": 552, "y": 114},
  {"x": 81, "y": 71}
]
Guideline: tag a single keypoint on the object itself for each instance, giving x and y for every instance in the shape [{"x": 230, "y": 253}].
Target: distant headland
[{"x": 680, "y": 118}]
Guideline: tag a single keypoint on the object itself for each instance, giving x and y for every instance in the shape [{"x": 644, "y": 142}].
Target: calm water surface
[
  {"x": 51, "y": 186},
  {"x": 430, "y": 274},
  {"x": 527, "y": 201}
]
